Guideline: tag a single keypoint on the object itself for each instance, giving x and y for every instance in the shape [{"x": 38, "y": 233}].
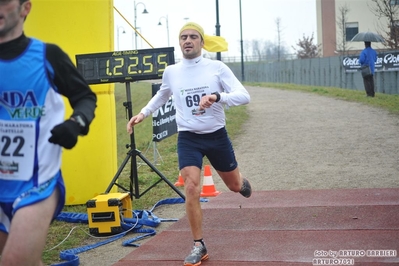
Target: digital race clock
[{"x": 125, "y": 66}]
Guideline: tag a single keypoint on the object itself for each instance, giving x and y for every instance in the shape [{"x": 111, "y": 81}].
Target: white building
[{"x": 359, "y": 18}]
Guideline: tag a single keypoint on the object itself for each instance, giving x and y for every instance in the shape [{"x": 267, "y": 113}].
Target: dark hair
[{"x": 367, "y": 44}]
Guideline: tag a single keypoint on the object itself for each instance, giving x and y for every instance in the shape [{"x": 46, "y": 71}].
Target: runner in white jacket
[{"x": 200, "y": 87}]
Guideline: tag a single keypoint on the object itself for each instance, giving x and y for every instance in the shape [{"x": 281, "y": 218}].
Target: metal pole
[
  {"x": 135, "y": 19},
  {"x": 117, "y": 35},
  {"x": 117, "y": 38},
  {"x": 218, "y": 55},
  {"x": 242, "y": 49},
  {"x": 135, "y": 26},
  {"x": 167, "y": 28},
  {"x": 133, "y": 161}
]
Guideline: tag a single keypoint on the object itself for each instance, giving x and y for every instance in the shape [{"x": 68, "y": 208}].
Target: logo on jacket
[{"x": 21, "y": 105}]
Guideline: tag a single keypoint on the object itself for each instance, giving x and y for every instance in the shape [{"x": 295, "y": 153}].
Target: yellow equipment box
[{"x": 106, "y": 211}]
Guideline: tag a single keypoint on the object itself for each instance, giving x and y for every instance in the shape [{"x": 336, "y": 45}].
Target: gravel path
[{"x": 296, "y": 140}]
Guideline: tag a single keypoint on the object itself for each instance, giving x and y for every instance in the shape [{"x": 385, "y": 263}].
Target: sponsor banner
[
  {"x": 164, "y": 119},
  {"x": 385, "y": 62},
  {"x": 391, "y": 61}
]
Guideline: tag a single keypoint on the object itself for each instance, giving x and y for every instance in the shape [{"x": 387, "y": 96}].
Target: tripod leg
[
  {"x": 160, "y": 174},
  {"x": 113, "y": 182},
  {"x": 132, "y": 156}
]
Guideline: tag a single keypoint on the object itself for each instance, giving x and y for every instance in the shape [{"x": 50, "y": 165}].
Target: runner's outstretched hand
[{"x": 134, "y": 121}]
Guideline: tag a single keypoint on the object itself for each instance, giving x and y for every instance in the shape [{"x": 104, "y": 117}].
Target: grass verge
[{"x": 384, "y": 101}]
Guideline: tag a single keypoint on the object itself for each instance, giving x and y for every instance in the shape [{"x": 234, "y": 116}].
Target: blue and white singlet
[{"x": 29, "y": 108}]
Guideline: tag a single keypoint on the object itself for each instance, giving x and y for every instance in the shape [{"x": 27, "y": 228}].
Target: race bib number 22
[{"x": 17, "y": 149}]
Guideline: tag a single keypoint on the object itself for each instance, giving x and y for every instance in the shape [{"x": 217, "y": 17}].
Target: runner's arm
[{"x": 72, "y": 85}]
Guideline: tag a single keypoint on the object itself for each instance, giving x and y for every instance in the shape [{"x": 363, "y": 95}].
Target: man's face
[
  {"x": 191, "y": 43},
  {"x": 12, "y": 15}
]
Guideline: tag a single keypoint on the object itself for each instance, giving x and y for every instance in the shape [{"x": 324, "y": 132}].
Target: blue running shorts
[
  {"x": 216, "y": 146},
  {"x": 8, "y": 209}
]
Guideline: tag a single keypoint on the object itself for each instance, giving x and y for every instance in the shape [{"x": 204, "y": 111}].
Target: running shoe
[
  {"x": 198, "y": 253},
  {"x": 246, "y": 189}
]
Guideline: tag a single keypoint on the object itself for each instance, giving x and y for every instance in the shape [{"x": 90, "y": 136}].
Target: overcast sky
[{"x": 298, "y": 18}]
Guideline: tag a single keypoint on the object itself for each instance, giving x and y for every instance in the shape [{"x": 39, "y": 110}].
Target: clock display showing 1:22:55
[{"x": 125, "y": 66}]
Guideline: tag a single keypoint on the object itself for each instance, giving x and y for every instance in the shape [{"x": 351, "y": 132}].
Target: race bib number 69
[{"x": 191, "y": 98}]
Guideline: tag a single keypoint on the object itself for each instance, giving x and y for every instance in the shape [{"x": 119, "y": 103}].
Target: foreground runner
[
  {"x": 33, "y": 75},
  {"x": 200, "y": 87}
]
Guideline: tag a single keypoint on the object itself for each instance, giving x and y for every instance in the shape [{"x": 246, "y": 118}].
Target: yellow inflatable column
[{"x": 83, "y": 27}]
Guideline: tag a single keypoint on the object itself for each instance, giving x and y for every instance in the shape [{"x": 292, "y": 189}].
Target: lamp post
[
  {"x": 242, "y": 49},
  {"x": 218, "y": 55},
  {"x": 167, "y": 25},
  {"x": 135, "y": 19},
  {"x": 117, "y": 35}
]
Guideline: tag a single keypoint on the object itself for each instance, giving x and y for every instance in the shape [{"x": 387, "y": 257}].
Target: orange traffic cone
[
  {"x": 208, "y": 187},
  {"x": 180, "y": 181}
]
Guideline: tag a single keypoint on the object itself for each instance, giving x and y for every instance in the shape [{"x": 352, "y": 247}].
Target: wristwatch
[
  {"x": 217, "y": 96},
  {"x": 78, "y": 119}
]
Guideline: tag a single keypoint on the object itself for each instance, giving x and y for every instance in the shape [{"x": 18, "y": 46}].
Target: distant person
[
  {"x": 368, "y": 57},
  {"x": 33, "y": 76},
  {"x": 200, "y": 87}
]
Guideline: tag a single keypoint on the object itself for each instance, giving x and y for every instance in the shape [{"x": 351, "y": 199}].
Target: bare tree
[
  {"x": 274, "y": 52},
  {"x": 307, "y": 49},
  {"x": 279, "y": 33},
  {"x": 247, "y": 48},
  {"x": 388, "y": 9},
  {"x": 266, "y": 50},
  {"x": 342, "y": 19},
  {"x": 257, "y": 49}
]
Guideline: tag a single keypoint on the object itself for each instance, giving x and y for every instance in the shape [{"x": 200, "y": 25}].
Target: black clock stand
[{"x": 132, "y": 157}]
